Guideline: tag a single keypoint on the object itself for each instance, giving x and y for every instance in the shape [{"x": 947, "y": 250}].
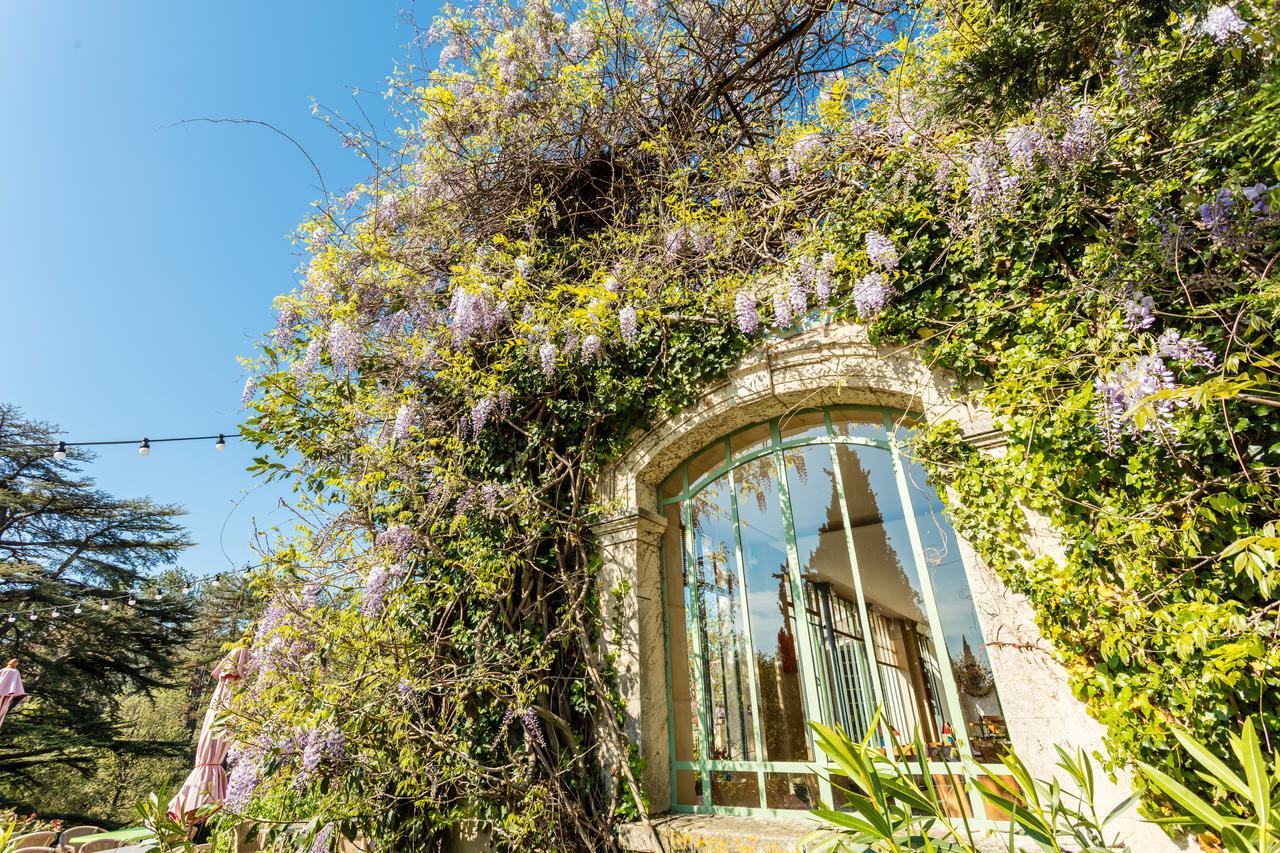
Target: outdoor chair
[
  {"x": 95, "y": 846},
  {"x": 70, "y": 835},
  {"x": 34, "y": 839}
]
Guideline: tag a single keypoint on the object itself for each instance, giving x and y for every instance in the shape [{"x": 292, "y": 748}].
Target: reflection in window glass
[
  {"x": 735, "y": 788},
  {"x": 966, "y": 649},
  {"x": 685, "y": 720},
  {"x": 750, "y": 440},
  {"x": 730, "y": 726},
  {"x": 791, "y": 790},
  {"x": 830, "y": 590},
  {"x": 807, "y": 424},
  {"x": 913, "y": 699},
  {"x": 773, "y": 629},
  {"x": 858, "y": 423}
]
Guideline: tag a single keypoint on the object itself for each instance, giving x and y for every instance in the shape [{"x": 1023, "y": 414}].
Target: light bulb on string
[
  {"x": 186, "y": 590},
  {"x": 53, "y": 615},
  {"x": 106, "y": 605},
  {"x": 221, "y": 445},
  {"x": 33, "y": 617},
  {"x": 144, "y": 449},
  {"x": 78, "y": 609},
  {"x": 61, "y": 453},
  {"x": 132, "y": 601},
  {"x": 12, "y": 619}
]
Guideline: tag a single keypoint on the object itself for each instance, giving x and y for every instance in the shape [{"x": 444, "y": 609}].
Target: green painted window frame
[{"x": 813, "y": 696}]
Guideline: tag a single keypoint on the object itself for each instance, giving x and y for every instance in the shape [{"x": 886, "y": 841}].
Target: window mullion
[
  {"x": 694, "y": 605},
  {"x": 756, "y": 718}
]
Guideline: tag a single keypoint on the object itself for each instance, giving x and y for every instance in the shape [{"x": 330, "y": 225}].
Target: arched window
[{"x": 811, "y": 574}]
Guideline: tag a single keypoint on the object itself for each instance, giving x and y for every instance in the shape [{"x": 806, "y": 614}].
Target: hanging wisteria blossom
[
  {"x": 591, "y": 347},
  {"x": 871, "y": 295},
  {"x": 344, "y": 346},
  {"x": 246, "y": 393},
  {"x": 375, "y": 591},
  {"x": 398, "y": 539},
  {"x": 403, "y": 423},
  {"x": 1139, "y": 310},
  {"x": 547, "y": 359},
  {"x": 627, "y": 322},
  {"x": 744, "y": 310},
  {"x": 1222, "y": 23},
  {"x": 781, "y": 308},
  {"x": 881, "y": 251}
]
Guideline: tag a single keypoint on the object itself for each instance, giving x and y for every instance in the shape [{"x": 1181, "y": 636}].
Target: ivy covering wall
[{"x": 592, "y": 212}]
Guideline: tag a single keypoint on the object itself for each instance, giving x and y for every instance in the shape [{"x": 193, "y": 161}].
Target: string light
[
  {"x": 53, "y": 611},
  {"x": 61, "y": 453},
  {"x": 221, "y": 445},
  {"x": 144, "y": 449}
]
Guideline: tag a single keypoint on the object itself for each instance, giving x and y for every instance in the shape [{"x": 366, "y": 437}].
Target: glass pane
[
  {"x": 751, "y": 439},
  {"x": 830, "y": 593},
  {"x": 735, "y": 788},
  {"x": 790, "y": 790},
  {"x": 684, "y": 719},
  {"x": 858, "y": 423},
  {"x": 707, "y": 461},
  {"x": 1001, "y": 787},
  {"x": 807, "y": 424},
  {"x": 909, "y": 678},
  {"x": 773, "y": 630},
  {"x": 688, "y": 787},
  {"x": 725, "y": 679},
  {"x": 966, "y": 649}
]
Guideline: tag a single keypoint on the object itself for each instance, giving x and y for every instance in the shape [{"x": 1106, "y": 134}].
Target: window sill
[{"x": 719, "y": 833}]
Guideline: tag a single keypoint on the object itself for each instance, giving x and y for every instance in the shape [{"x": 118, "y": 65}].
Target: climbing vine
[{"x": 593, "y": 211}]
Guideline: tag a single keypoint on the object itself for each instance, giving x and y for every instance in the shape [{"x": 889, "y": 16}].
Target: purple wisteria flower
[
  {"x": 1138, "y": 310},
  {"x": 286, "y": 322},
  {"x": 309, "y": 360},
  {"x": 797, "y": 293},
  {"x": 317, "y": 238},
  {"x": 388, "y": 208},
  {"x": 822, "y": 279},
  {"x": 533, "y": 726},
  {"x": 1120, "y": 391},
  {"x": 1083, "y": 138},
  {"x": 547, "y": 359},
  {"x": 404, "y": 422},
  {"x": 323, "y": 840},
  {"x": 673, "y": 242},
  {"x": 591, "y": 348},
  {"x": 398, "y": 539},
  {"x": 802, "y": 151},
  {"x": 375, "y": 592},
  {"x": 992, "y": 189},
  {"x": 524, "y": 264},
  {"x": 871, "y": 295},
  {"x": 744, "y": 310},
  {"x": 627, "y": 323},
  {"x": 242, "y": 782},
  {"x": 611, "y": 283},
  {"x": 1222, "y": 24},
  {"x": 1188, "y": 351},
  {"x": 1216, "y": 215},
  {"x": 881, "y": 251},
  {"x": 781, "y": 308},
  {"x": 490, "y": 495},
  {"x": 1126, "y": 65},
  {"x": 1257, "y": 196},
  {"x": 480, "y": 413},
  {"x": 246, "y": 393},
  {"x": 581, "y": 39},
  {"x": 344, "y": 346},
  {"x": 1023, "y": 143},
  {"x": 468, "y": 314}
]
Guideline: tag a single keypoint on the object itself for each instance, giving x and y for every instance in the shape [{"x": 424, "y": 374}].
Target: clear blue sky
[{"x": 141, "y": 258}]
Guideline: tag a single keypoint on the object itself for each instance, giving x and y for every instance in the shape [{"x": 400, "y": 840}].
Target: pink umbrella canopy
[
  {"x": 206, "y": 784},
  {"x": 10, "y": 687}
]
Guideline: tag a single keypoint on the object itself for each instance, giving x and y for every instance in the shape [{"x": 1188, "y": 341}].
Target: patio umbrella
[
  {"x": 206, "y": 784},
  {"x": 10, "y": 687}
]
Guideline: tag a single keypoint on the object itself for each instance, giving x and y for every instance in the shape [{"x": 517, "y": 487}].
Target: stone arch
[{"x": 822, "y": 366}]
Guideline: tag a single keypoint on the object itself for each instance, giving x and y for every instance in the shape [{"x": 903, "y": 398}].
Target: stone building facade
[{"x": 773, "y": 555}]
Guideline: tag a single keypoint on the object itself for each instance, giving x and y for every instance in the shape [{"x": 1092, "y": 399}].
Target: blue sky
[{"x": 140, "y": 258}]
